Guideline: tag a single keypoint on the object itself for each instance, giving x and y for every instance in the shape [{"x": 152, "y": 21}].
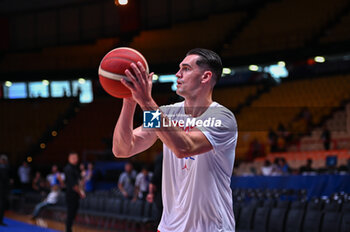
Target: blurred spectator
[
  {"x": 51, "y": 199},
  {"x": 256, "y": 149},
  {"x": 276, "y": 169},
  {"x": 24, "y": 176},
  {"x": 142, "y": 182},
  {"x": 73, "y": 189},
  {"x": 267, "y": 169},
  {"x": 126, "y": 181},
  {"x": 272, "y": 140},
  {"x": 82, "y": 170},
  {"x": 307, "y": 168},
  {"x": 39, "y": 184},
  {"x": 88, "y": 178},
  {"x": 283, "y": 166},
  {"x": 282, "y": 135},
  {"x": 307, "y": 117},
  {"x": 326, "y": 138},
  {"x": 4, "y": 186},
  {"x": 55, "y": 177},
  {"x": 155, "y": 187}
]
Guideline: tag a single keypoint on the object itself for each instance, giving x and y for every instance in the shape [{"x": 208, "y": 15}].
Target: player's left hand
[{"x": 140, "y": 83}]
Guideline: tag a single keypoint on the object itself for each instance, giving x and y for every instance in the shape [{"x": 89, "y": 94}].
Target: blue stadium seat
[
  {"x": 295, "y": 216},
  {"x": 313, "y": 216},
  {"x": 280, "y": 213}
]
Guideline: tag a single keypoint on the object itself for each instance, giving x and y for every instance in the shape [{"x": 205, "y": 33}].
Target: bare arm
[
  {"x": 126, "y": 140},
  {"x": 122, "y": 190}
]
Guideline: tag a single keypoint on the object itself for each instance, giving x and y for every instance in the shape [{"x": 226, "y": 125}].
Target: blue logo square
[{"x": 151, "y": 119}]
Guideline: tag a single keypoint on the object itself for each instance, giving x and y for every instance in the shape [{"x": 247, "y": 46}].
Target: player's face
[
  {"x": 73, "y": 158},
  {"x": 188, "y": 76},
  {"x": 54, "y": 169}
]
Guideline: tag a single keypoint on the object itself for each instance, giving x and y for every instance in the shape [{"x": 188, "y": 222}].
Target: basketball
[{"x": 113, "y": 66}]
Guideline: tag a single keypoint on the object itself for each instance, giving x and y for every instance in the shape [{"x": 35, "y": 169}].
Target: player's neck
[{"x": 198, "y": 105}]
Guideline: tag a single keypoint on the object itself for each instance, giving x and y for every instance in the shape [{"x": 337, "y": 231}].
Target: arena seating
[
  {"x": 275, "y": 27},
  {"x": 30, "y": 119},
  {"x": 273, "y": 210},
  {"x": 284, "y": 102},
  {"x": 338, "y": 127},
  {"x": 93, "y": 123},
  {"x": 105, "y": 209},
  {"x": 295, "y": 160},
  {"x": 164, "y": 45},
  {"x": 340, "y": 32},
  {"x": 232, "y": 97},
  {"x": 278, "y": 215}
]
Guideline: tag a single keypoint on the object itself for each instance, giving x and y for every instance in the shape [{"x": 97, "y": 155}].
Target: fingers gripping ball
[{"x": 112, "y": 70}]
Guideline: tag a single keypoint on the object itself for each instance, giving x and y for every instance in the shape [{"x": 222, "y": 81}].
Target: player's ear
[{"x": 207, "y": 76}]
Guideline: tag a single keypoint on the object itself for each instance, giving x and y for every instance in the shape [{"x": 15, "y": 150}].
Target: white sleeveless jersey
[{"x": 196, "y": 190}]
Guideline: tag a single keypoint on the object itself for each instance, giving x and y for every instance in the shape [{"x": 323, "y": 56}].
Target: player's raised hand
[{"x": 140, "y": 83}]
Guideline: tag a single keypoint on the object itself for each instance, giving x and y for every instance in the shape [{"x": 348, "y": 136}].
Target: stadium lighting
[
  {"x": 45, "y": 82},
  {"x": 253, "y": 67},
  {"x": 155, "y": 77},
  {"x": 81, "y": 80},
  {"x": 121, "y": 2},
  {"x": 8, "y": 83},
  {"x": 281, "y": 63},
  {"x": 226, "y": 71},
  {"x": 319, "y": 59}
]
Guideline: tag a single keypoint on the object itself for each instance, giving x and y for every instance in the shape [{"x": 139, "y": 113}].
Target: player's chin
[{"x": 179, "y": 92}]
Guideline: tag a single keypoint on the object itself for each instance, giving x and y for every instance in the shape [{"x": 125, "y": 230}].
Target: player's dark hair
[
  {"x": 73, "y": 153},
  {"x": 208, "y": 59}
]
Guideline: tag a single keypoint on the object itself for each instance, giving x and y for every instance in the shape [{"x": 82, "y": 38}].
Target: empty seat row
[{"x": 296, "y": 216}]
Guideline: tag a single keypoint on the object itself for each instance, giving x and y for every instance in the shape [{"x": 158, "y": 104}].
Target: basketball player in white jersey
[{"x": 199, "y": 138}]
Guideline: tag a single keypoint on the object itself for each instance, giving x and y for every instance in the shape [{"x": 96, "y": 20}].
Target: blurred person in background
[
  {"x": 283, "y": 166},
  {"x": 88, "y": 178},
  {"x": 24, "y": 176},
  {"x": 73, "y": 189},
  {"x": 4, "y": 186},
  {"x": 155, "y": 187},
  {"x": 39, "y": 184},
  {"x": 142, "y": 182},
  {"x": 51, "y": 199},
  {"x": 326, "y": 138},
  {"x": 82, "y": 169},
  {"x": 126, "y": 182},
  {"x": 256, "y": 149},
  {"x": 307, "y": 168},
  {"x": 276, "y": 169},
  {"x": 272, "y": 136},
  {"x": 267, "y": 169},
  {"x": 55, "y": 177}
]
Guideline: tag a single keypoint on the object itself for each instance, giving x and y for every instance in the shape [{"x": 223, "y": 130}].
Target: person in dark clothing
[
  {"x": 272, "y": 140},
  {"x": 4, "y": 186},
  {"x": 73, "y": 189},
  {"x": 307, "y": 168},
  {"x": 326, "y": 138},
  {"x": 155, "y": 187}
]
